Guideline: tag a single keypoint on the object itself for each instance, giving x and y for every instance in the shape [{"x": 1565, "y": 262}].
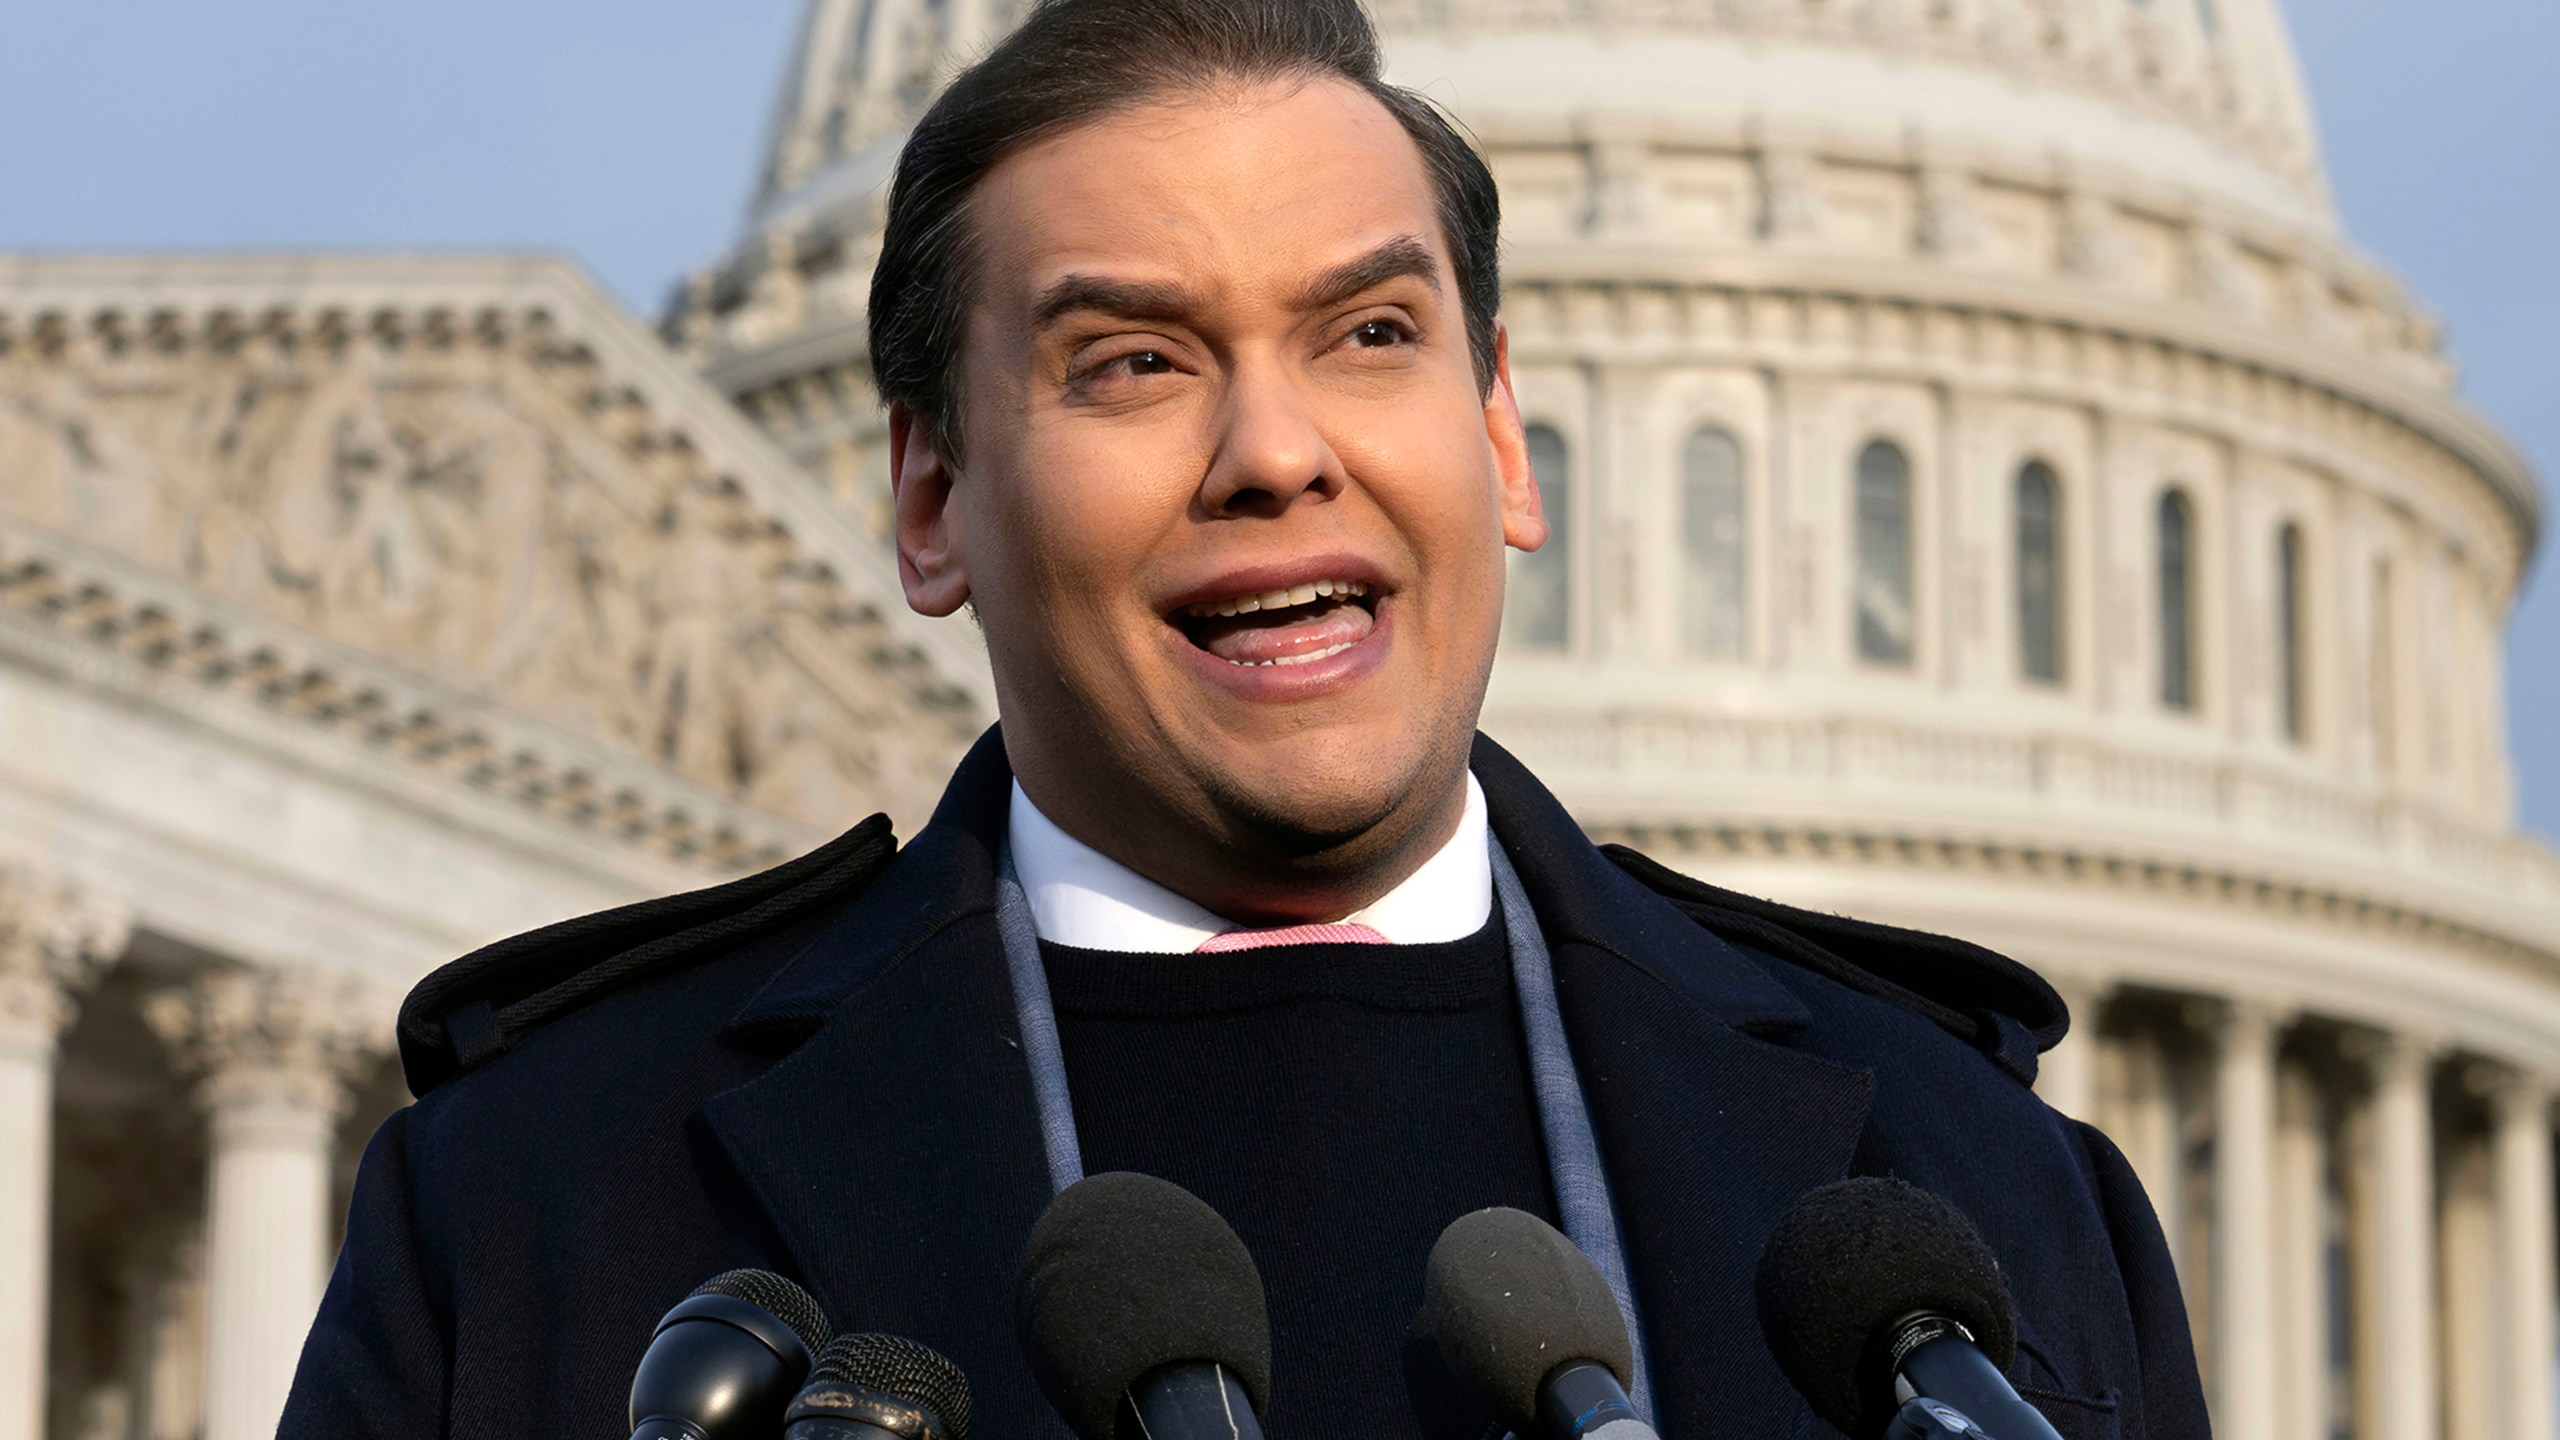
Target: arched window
[
  {"x": 2177, "y": 601},
  {"x": 1712, "y": 552},
  {"x": 2291, "y": 664},
  {"x": 1538, "y": 612},
  {"x": 1887, "y": 626},
  {"x": 2040, "y": 574}
]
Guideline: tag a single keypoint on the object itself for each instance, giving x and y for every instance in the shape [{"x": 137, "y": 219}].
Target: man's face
[{"x": 1232, "y": 505}]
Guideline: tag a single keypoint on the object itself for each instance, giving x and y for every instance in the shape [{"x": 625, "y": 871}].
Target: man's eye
[
  {"x": 1126, "y": 365},
  {"x": 1377, "y": 333}
]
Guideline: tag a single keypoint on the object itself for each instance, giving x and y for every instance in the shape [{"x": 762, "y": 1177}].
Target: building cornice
[
  {"x": 2163, "y": 871},
  {"x": 73, "y": 611}
]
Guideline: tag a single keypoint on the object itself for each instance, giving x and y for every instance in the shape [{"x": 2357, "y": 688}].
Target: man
[{"x": 1197, "y": 400}]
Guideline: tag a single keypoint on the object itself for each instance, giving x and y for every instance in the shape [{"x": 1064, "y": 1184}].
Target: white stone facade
[{"x": 355, "y": 613}]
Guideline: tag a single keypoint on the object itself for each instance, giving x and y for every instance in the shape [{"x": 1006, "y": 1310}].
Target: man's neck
[
  {"x": 1228, "y": 866},
  {"x": 1081, "y": 896}
]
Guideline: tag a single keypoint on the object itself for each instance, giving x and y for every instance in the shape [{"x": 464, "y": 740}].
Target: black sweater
[{"x": 1339, "y": 1105}]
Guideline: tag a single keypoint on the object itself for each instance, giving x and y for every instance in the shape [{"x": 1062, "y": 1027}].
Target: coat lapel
[
  {"x": 1709, "y": 1124},
  {"x": 896, "y": 1149}
]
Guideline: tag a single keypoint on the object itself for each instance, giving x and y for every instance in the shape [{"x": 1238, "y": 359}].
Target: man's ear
[
  {"x": 1524, "y": 514},
  {"x": 930, "y": 560}
]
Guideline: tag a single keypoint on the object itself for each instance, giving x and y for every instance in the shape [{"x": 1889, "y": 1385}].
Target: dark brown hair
[{"x": 1074, "y": 61}]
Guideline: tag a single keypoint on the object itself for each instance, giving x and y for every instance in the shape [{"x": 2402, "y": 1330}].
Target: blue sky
[
  {"x": 626, "y": 134},
  {"x": 2442, "y": 123}
]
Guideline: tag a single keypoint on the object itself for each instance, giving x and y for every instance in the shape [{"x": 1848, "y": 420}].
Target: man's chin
[{"x": 1337, "y": 803}]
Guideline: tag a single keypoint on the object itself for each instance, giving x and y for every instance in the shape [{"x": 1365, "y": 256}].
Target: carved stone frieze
[
  {"x": 473, "y": 499},
  {"x": 448, "y": 522}
]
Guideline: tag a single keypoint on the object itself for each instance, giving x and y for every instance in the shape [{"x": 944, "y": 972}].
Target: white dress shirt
[{"x": 1082, "y": 897}]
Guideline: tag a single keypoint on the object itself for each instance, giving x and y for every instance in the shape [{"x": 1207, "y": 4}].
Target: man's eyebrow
[
  {"x": 1404, "y": 257},
  {"x": 1126, "y": 299}
]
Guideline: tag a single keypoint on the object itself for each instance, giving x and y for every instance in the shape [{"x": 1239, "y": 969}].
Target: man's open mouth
[{"x": 1295, "y": 626}]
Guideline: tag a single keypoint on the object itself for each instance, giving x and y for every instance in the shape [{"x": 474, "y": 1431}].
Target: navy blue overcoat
[{"x": 815, "y": 1070}]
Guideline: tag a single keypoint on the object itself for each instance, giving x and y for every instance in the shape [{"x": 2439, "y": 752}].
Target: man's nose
[{"x": 1270, "y": 449}]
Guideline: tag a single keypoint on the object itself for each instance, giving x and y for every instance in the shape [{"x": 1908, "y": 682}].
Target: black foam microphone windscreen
[
  {"x": 1126, "y": 1274},
  {"x": 1851, "y": 1262},
  {"x": 1511, "y": 1300}
]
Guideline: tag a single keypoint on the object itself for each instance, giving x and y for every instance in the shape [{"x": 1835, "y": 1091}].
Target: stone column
[
  {"x": 2301, "y": 1246},
  {"x": 2244, "y": 1292},
  {"x": 2525, "y": 1244},
  {"x": 2468, "y": 1291},
  {"x": 51, "y": 943},
  {"x": 2142, "y": 1117},
  {"x": 884, "y": 54},
  {"x": 2067, "y": 1075},
  {"x": 273, "y": 1053},
  {"x": 2403, "y": 1189}
]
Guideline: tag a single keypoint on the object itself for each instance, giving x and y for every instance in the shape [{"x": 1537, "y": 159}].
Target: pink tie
[{"x": 1338, "y": 934}]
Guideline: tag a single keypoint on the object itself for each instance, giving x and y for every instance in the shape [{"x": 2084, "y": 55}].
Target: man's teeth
[
  {"x": 1277, "y": 599},
  {"x": 1312, "y": 655}
]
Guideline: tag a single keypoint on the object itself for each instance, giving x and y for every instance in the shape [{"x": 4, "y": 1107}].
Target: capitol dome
[
  {"x": 2199, "y": 92},
  {"x": 1993, "y": 495}
]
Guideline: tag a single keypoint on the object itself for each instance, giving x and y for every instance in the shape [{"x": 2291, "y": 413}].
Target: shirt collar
[{"x": 1082, "y": 897}]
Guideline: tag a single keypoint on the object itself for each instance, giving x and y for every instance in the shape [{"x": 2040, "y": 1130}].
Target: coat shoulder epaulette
[
  {"x": 477, "y": 1007},
  {"x": 1984, "y": 998}
]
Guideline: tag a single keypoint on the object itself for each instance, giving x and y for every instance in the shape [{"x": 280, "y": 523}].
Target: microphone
[
  {"x": 722, "y": 1365},
  {"x": 880, "y": 1387},
  {"x": 1523, "y": 1319},
  {"x": 1143, "y": 1316},
  {"x": 1874, "y": 1293},
  {"x": 1929, "y": 1420}
]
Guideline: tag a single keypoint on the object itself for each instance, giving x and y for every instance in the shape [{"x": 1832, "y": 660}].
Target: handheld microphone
[
  {"x": 722, "y": 1365},
  {"x": 880, "y": 1387},
  {"x": 1142, "y": 1314},
  {"x": 1524, "y": 1320},
  {"x": 1874, "y": 1293}
]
